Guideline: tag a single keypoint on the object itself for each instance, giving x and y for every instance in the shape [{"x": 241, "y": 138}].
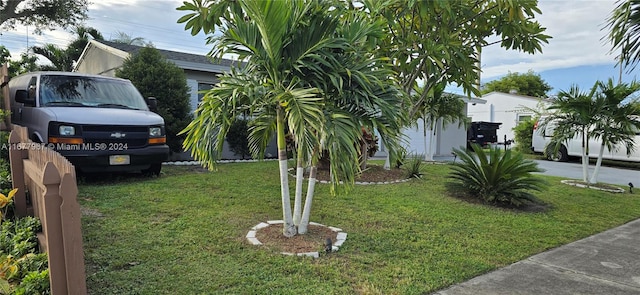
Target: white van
[
  {"x": 573, "y": 148},
  {"x": 101, "y": 124}
]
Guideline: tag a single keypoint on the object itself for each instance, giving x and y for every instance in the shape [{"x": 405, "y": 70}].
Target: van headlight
[
  {"x": 155, "y": 131},
  {"x": 66, "y": 130}
]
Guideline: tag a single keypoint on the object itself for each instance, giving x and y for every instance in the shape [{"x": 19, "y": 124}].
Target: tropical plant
[
  {"x": 624, "y": 25},
  {"x": 155, "y": 76},
  {"x": 619, "y": 119},
  {"x": 573, "y": 113},
  {"x": 496, "y": 176},
  {"x": 124, "y": 38},
  {"x": 445, "y": 49},
  {"x": 414, "y": 166},
  {"x": 5, "y": 202},
  {"x": 437, "y": 108},
  {"x": 56, "y": 55},
  {"x": 306, "y": 74}
]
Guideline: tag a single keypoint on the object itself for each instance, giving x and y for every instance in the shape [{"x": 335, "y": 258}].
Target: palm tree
[
  {"x": 82, "y": 36},
  {"x": 436, "y": 108},
  {"x": 574, "y": 113},
  {"x": 619, "y": 120},
  {"x": 301, "y": 77},
  {"x": 624, "y": 26},
  {"x": 122, "y": 37},
  {"x": 56, "y": 55}
]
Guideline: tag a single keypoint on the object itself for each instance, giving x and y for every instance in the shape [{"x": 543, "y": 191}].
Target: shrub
[
  {"x": 496, "y": 176},
  {"x": 414, "y": 166},
  {"x": 155, "y": 76},
  {"x": 237, "y": 137},
  {"x": 523, "y": 133}
]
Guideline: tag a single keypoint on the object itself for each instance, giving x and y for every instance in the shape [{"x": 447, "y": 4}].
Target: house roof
[{"x": 187, "y": 61}]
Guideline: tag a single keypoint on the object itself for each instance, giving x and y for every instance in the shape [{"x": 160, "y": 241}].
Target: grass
[{"x": 183, "y": 233}]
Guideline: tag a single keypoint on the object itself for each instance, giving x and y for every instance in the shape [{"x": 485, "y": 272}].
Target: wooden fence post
[
  {"x": 17, "y": 153},
  {"x": 72, "y": 233},
  {"x": 52, "y": 229}
]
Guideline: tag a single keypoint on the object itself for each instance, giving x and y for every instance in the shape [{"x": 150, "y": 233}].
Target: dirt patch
[
  {"x": 313, "y": 241},
  {"x": 373, "y": 173}
]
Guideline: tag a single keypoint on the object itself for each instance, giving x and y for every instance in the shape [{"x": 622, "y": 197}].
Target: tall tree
[
  {"x": 530, "y": 84},
  {"x": 574, "y": 113},
  {"x": 305, "y": 75},
  {"x": 56, "y": 55},
  {"x": 619, "y": 120},
  {"x": 155, "y": 76},
  {"x": 42, "y": 14},
  {"x": 122, "y": 37},
  {"x": 82, "y": 36},
  {"x": 435, "y": 42},
  {"x": 438, "y": 108},
  {"x": 624, "y": 32}
]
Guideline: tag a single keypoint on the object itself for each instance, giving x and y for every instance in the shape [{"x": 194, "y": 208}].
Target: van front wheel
[
  {"x": 153, "y": 170},
  {"x": 559, "y": 156}
]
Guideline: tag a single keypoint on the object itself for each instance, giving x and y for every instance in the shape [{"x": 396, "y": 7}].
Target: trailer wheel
[{"x": 560, "y": 156}]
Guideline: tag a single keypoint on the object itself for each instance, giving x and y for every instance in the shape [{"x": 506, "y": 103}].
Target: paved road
[{"x": 619, "y": 176}]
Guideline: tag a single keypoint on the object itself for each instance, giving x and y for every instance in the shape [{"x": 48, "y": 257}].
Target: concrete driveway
[{"x": 572, "y": 170}]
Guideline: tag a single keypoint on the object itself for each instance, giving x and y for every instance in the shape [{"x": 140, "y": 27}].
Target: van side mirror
[
  {"x": 22, "y": 96},
  {"x": 152, "y": 103}
]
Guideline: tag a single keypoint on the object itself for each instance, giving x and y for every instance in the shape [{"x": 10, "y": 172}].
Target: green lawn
[{"x": 183, "y": 233}]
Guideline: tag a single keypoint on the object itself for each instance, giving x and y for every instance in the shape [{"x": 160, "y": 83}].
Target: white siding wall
[{"x": 505, "y": 108}]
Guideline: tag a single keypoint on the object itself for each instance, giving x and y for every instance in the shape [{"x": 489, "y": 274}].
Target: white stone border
[
  {"x": 198, "y": 163},
  {"x": 574, "y": 183},
  {"x": 340, "y": 238}
]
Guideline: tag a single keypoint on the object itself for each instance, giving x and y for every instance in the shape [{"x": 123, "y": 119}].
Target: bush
[
  {"x": 237, "y": 137},
  {"x": 523, "y": 133},
  {"x": 22, "y": 269},
  {"x": 414, "y": 166},
  {"x": 155, "y": 76},
  {"x": 497, "y": 176}
]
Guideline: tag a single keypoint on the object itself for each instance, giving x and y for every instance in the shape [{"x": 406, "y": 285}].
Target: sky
[{"x": 576, "y": 55}]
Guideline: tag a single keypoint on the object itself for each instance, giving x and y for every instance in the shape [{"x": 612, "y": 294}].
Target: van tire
[
  {"x": 560, "y": 156},
  {"x": 153, "y": 170}
]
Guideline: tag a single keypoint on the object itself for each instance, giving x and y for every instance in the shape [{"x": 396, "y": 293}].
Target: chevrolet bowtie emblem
[{"x": 118, "y": 135}]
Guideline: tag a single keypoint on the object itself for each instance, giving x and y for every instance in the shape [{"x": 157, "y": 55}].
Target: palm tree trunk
[
  {"x": 289, "y": 229},
  {"x": 585, "y": 158},
  {"x": 431, "y": 142},
  {"x": 596, "y": 171},
  {"x": 424, "y": 139},
  {"x": 304, "y": 223},
  {"x": 297, "y": 203}
]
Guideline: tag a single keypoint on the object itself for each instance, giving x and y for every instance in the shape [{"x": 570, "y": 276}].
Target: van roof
[{"x": 58, "y": 73}]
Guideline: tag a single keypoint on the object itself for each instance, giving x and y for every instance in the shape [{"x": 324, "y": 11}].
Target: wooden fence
[{"x": 48, "y": 180}]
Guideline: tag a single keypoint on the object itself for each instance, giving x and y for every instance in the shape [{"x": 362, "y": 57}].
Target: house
[
  {"x": 104, "y": 57},
  {"x": 508, "y": 109},
  {"x": 447, "y": 138}
]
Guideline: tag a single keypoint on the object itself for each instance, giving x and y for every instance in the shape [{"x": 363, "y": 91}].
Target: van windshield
[{"x": 60, "y": 90}]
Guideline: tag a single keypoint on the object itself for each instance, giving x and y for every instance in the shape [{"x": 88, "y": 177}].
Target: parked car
[{"x": 101, "y": 124}]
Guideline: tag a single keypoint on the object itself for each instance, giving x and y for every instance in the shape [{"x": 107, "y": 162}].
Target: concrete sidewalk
[{"x": 605, "y": 263}]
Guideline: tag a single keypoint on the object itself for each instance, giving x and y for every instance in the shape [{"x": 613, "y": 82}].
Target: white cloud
[{"x": 576, "y": 28}]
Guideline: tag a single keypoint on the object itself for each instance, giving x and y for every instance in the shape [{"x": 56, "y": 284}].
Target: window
[
  {"x": 201, "y": 88},
  {"x": 524, "y": 118}
]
